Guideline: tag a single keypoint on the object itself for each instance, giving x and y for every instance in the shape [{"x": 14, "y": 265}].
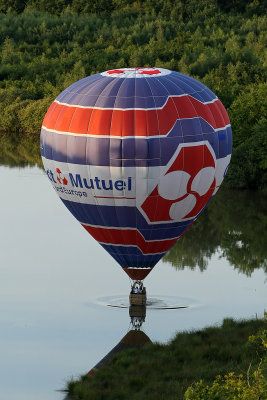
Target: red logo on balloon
[
  {"x": 115, "y": 71},
  {"x": 60, "y": 179},
  {"x": 186, "y": 187},
  {"x": 139, "y": 70}
]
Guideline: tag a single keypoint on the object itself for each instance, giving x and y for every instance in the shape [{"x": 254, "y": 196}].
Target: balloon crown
[{"x": 136, "y": 72}]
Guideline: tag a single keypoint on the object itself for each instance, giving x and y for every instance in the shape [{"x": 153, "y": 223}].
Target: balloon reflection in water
[
  {"x": 135, "y": 154},
  {"x": 134, "y": 338}
]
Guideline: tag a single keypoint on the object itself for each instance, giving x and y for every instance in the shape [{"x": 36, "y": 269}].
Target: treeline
[
  {"x": 186, "y": 7},
  {"x": 47, "y": 45}
]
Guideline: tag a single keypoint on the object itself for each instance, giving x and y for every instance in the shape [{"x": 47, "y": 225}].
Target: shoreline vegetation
[
  {"x": 244, "y": 248},
  {"x": 47, "y": 45},
  {"x": 226, "y": 362}
]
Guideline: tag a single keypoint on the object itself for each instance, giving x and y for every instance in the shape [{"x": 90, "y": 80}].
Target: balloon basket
[
  {"x": 138, "y": 294},
  {"x": 137, "y": 299}
]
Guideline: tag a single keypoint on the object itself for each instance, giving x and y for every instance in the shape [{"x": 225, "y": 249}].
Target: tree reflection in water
[
  {"x": 20, "y": 150},
  {"x": 234, "y": 225}
]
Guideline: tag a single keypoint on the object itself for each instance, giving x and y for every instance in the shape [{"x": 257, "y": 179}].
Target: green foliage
[
  {"x": 31, "y": 115},
  {"x": 231, "y": 386},
  {"x": 47, "y": 45},
  {"x": 159, "y": 372},
  {"x": 252, "y": 386},
  {"x": 247, "y": 110},
  {"x": 249, "y": 123}
]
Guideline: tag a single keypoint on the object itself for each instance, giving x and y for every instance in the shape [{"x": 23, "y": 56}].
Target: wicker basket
[{"x": 137, "y": 299}]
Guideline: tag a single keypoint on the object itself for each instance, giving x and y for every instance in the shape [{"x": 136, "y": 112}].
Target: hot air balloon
[{"x": 135, "y": 154}]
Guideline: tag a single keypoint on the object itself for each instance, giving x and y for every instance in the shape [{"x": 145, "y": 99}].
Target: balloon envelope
[{"x": 135, "y": 154}]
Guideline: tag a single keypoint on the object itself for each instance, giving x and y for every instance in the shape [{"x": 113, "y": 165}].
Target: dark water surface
[{"x": 63, "y": 299}]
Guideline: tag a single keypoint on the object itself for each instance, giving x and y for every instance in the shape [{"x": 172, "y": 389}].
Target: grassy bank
[{"x": 164, "y": 372}]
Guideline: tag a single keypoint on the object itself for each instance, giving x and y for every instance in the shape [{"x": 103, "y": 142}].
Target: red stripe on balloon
[
  {"x": 129, "y": 237},
  {"x": 73, "y": 119}
]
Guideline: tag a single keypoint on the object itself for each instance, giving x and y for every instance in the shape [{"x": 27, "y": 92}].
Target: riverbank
[
  {"x": 166, "y": 371},
  {"x": 46, "y": 47},
  {"x": 19, "y": 149}
]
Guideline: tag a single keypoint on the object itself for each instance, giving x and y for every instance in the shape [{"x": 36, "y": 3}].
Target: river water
[{"x": 57, "y": 283}]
